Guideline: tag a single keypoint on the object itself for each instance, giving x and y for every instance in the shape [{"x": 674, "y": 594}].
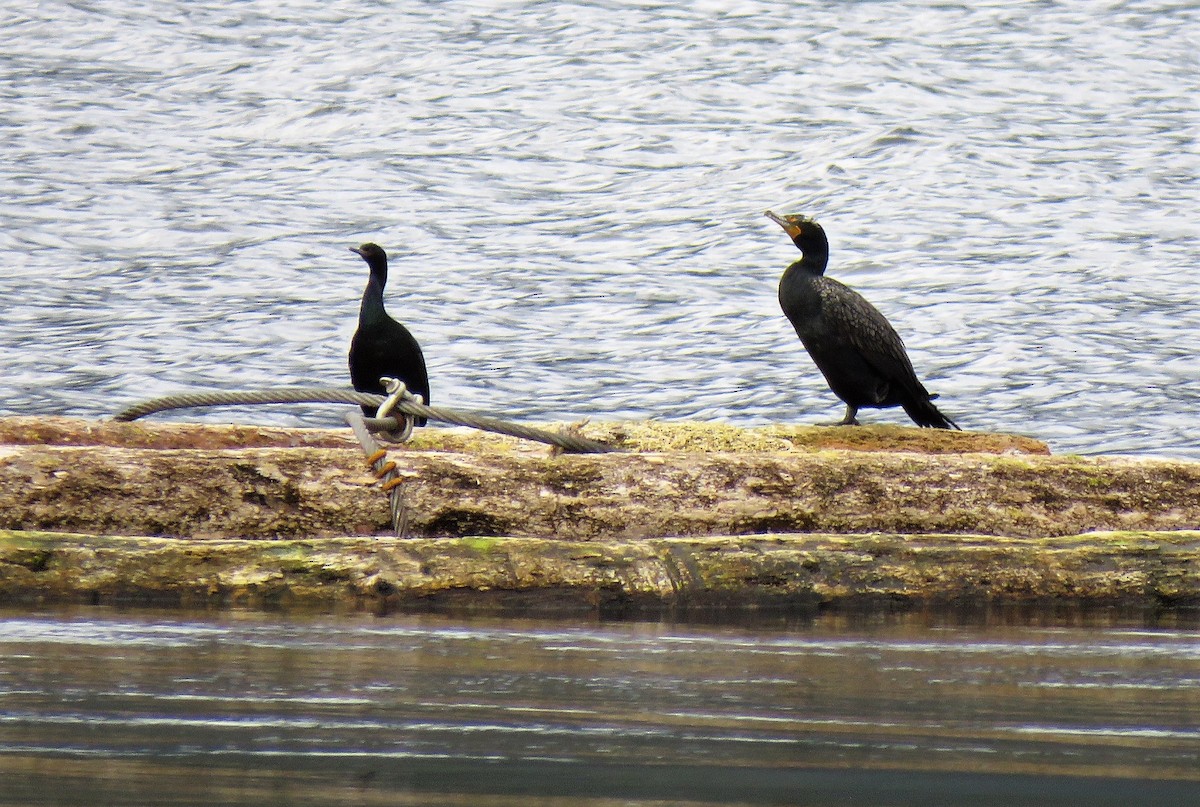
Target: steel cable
[{"x": 567, "y": 442}]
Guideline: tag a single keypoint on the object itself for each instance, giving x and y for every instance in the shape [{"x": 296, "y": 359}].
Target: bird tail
[{"x": 925, "y": 414}]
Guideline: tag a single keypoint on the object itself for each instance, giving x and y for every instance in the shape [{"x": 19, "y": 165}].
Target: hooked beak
[
  {"x": 791, "y": 229},
  {"x": 356, "y": 251}
]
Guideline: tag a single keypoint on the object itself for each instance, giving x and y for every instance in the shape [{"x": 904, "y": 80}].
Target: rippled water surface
[
  {"x": 100, "y": 707},
  {"x": 572, "y": 195}
]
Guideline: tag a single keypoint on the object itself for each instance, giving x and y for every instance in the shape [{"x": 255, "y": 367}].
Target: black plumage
[
  {"x": 381, "y": 346},
  {"x": 853, "y": 345}
]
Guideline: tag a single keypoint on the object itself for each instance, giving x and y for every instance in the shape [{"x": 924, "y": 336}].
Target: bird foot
[{"x": 850, "y": 418}]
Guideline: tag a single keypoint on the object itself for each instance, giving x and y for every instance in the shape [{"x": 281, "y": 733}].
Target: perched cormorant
[
  {"x": 381, "y": 346},
  {"x": 853, "y": 345}
]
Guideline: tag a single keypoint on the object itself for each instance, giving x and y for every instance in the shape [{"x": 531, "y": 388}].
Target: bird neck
[
  {"x": 809, "y": 267},
  {"x": 814, "y": 257},
  {"x": 372, "y": 309},
  {"x": 378, "y": 265}
]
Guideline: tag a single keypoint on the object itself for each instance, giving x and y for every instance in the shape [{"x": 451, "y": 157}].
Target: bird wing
[{"x": 867, "y": 330}]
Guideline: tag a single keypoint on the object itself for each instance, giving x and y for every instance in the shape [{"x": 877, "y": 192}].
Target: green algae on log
[{"x": 795, "y": 571}]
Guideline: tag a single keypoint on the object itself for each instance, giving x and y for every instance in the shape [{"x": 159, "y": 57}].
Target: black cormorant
[
  {"x": 853, "y": 345},
  {"x": 381, "y": 346}
]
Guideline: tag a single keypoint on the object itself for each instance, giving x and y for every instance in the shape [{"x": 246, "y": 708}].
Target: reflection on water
[
  {"x": 573, "y": 196},
  {"x": 128, "y": 708}
]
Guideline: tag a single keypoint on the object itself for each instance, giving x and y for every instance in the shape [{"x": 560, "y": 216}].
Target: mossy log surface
[{"x": 693, "y": 513}]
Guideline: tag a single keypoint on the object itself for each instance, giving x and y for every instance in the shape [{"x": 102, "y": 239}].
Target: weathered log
[
  {"x": 495, "y": 487},
  {"x": 694, "y": 514},
  {"x": 781, "y": 571}
]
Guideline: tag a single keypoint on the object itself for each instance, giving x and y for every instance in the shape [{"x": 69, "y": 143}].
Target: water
[
  {"x": 572, "y": 195},
  {"x": 98, "y": 706}
]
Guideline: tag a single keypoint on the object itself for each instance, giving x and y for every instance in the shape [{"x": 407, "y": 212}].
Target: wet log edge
[{"x": 491, "y": 574}]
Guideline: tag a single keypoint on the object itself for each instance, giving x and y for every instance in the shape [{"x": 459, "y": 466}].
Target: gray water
[
  {"x": 104, "y": 707},
  {"x": 572, "y": 196}
]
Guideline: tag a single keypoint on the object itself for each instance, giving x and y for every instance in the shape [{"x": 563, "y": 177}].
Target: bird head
[
  {"x": 370, "y": 252},
  {"x": 806, "y": 234}
]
